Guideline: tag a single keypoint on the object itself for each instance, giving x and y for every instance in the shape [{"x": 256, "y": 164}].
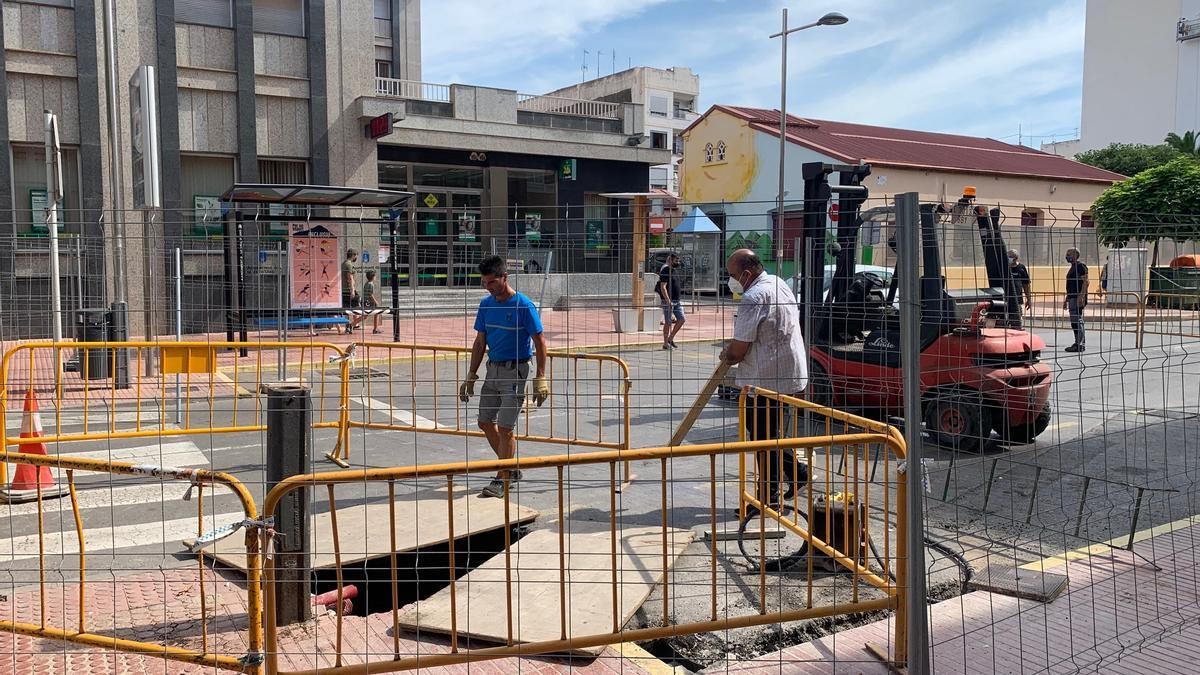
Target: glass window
[
  {"x": 658, "y": 176},
  {"x": 206, "y": 12},
  {"x": 285, "y": 17},
  {"x": 658, "y": 140},
  {"x": 201, "y": 181},
  {"x": 29, "y": 182},
  {"x": 383, "y": 19},
  {"x": 383, "y": 68},
  {"x": 658, "y": 105},
  {"x": 720, "y": 151},
  {"x": 1031, "y": 217},
  {"x": 708, "y": 152},
  {"x": 426, "y": 175},
  {"x": 1086, "y": 220},
  {"x": 383, "y": 9},
  {"x": 393, "y": 174},
  {"x": 677, "y": 145}
]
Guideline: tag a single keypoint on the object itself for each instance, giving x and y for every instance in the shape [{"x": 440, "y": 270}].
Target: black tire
[
  {"x": 1023, "y": 434},
  {"x": 957, "y": 420}
]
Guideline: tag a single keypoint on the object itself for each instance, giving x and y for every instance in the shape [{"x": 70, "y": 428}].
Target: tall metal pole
[
  {"x": 53, "y": 188},
  {"x": 777, "y": 235},
  {"x": 114, "y": 148},
  {"x": 178, "y": 327},
  {"x": 909, "y": 240}
]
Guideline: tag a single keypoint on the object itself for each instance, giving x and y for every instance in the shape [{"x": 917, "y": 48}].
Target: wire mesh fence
[{"x": 1043, "y": 463}]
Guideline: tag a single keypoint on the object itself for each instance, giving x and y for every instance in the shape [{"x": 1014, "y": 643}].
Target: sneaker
[
  {"x": 494, "y": 489},
  {"x": 667, "y": 346},
  {"x": 1074, "y": 348},
  {"x": 672, "y": 343}
]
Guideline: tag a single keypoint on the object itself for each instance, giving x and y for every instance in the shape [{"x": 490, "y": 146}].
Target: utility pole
[{"x": 53, "y": 195}]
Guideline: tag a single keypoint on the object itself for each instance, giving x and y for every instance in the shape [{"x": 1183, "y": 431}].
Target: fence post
[
  {"x": 910, "y": 239},
  {"x": 289, "y": 412}
]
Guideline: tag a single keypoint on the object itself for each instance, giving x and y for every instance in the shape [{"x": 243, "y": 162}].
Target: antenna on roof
[{"x": 583, "y": 70}]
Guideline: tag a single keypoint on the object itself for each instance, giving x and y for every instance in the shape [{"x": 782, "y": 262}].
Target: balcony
[
  {"x": 576, "y": 107},
  {"x": 411, "y": 90},
  {"x": 1187, "y": 29}
]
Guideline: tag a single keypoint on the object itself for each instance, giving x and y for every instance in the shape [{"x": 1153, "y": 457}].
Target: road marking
[
  {"x": 1117, "y": 543},
  {"x": 405, "y": 417},
  {"x": 179, "y": 454},
  {"x": 104, "y": 496},
  {"x": 95, "y": 418},
  {"x": 169, "y": 533}
]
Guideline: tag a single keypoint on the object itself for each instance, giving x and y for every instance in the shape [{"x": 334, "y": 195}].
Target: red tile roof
[{"x": 861, "y": 143}]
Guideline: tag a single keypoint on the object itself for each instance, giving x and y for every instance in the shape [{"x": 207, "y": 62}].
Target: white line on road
[
  {"x": 169, "y": 534},
  {"x": 179, "y": 454},
  {"x": 105, "y": 496},
  {"x": 403, "y": 416}
]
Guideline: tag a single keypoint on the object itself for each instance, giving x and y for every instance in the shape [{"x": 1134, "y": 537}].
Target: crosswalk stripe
[
  {"x": 169, "y": 533},
  {"x": 403, "y": 416},
  {"x": 104, "y": 496},
  {"x": 179, "y": 453}
]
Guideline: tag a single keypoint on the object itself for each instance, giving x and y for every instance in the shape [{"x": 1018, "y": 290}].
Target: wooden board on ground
[
  {"x": 482, "y": 602},
  {"x": 698, "y": 405},
  {"x": 363, "y": 529}
]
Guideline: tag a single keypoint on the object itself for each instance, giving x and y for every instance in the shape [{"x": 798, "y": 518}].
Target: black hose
[{"x": 968, "y": 572}]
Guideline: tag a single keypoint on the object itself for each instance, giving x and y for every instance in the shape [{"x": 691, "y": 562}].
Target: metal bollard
[{"x": 289, "y": 413}]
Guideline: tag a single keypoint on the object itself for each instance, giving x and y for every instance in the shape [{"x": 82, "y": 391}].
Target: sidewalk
[{"x": 1119, "y": 614}]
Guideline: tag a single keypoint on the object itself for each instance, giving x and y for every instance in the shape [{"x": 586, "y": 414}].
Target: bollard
[{"x": 289, "y": 413}]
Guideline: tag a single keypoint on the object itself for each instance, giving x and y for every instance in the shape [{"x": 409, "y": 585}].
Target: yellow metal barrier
[
  {"x": 582, "y": 384},
  {"x": 250, "y": 662},
  {"x": 202, "y": 382},
  {"x": 872, "y": 434}
]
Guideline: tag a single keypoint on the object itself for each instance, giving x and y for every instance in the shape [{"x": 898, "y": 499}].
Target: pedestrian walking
[
  {"x": 350, "y": 298},
  {"x": 668, "y": 295},
  {"x": 1077, "y": 298},
  {"x": 370, "y": 305},
  {"x": 769, "y": 352},
  {"x": 1020, "y": 274},
  {"x": 508, "y": 327}
]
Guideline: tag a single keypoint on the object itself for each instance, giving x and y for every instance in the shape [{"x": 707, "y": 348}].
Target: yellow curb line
[
  {"x": 1118, "y": 542},
  {"x": 644, "y": 659}
]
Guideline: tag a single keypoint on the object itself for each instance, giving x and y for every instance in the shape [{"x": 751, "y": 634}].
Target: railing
[
  {"x": 190, "y": 372},
  {"x": 558, "y": 105},
  {"x": 504, "y": 616},
  {"x": 25, "y": 621},
  {"x": 578, "y": 382},
  {"x": 412, "y": 90}
]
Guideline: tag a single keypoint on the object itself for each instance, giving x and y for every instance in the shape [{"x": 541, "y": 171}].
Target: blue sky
[{"x": 974, "y": 67}]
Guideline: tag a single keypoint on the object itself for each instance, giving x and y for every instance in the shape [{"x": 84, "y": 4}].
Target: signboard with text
[{"x": 314, "y": 264}]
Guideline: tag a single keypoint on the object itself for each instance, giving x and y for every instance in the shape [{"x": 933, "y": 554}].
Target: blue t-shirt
[{"x": 509, "y": 326}]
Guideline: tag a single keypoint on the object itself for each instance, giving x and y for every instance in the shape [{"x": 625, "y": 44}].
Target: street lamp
[{"x": 830, "y": 19}]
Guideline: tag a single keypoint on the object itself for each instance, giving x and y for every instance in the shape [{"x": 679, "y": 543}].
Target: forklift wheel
[
  {"x": 956, "y": 421},
  {"x": 1022, "y": 434}
]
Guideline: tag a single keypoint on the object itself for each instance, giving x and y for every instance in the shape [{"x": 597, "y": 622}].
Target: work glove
[
  {"x": 541, "y": 390},
  {"x": 467, "y": 389}
]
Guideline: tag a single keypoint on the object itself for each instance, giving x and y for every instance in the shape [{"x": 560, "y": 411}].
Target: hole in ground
[{"x": 419, "y": 574}]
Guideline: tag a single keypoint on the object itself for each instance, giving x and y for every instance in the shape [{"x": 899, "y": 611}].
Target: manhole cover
[
  {"x": 1169, "y": 414},
  {"x": 364, "y": 373}
]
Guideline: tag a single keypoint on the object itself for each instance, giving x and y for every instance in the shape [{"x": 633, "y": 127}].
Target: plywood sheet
[
  {"x": 482, "y": 599},
  {"x": 363, "y": 529}
]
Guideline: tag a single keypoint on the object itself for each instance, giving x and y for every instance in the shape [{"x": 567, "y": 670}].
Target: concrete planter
[{"x": 625, "y": 320}]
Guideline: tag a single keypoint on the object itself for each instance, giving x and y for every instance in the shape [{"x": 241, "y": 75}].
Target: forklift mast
[
  {"x": 817, "y": 193},
  {"x": 995, "y": 256}
]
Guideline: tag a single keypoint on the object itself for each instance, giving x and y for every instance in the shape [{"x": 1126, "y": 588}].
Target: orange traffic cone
[{"x": 28, "y": 478}]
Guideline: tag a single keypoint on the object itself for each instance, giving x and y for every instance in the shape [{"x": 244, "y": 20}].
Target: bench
[{"x": 306, "y": 322}]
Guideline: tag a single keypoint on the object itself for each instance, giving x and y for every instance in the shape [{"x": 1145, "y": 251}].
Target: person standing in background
[
  {"x": 1077, "y": 297},
  {"x": 668, "y": 297}
]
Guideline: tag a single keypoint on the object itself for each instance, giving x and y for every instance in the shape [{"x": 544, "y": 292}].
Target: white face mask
[{"x": 735, "y": 286}]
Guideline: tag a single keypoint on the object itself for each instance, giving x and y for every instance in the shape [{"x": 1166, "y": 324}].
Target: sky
[{"x": 977, "y": 67}]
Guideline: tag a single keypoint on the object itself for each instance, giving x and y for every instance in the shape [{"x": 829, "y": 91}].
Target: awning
[{"x": 315, "y": 195}]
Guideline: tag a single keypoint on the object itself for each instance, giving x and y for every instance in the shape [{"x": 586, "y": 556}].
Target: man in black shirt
[
  {"x": 1077, "y": 294},
  {"x": 1020, "y": 274},
  {"x": 668, "y": 297}
]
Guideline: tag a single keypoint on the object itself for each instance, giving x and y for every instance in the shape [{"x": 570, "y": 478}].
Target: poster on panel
[{"x": 315, "y": 266}]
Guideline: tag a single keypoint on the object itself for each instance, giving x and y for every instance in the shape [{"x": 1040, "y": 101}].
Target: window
[
  {"x": 658, "y": 140},
  {"x": 658, "y": 105},
  {"x": 383, "y": 61},
  {"x": 1031, "y": 217},
  {"x": 708, "y": 152},
  {"x": 201, "y": 180},
  {"x": 206, "y": 12},
  {"x": 383, "y": 19},
  {"x": 284, "y": 17},
  {"x": 29, "y": 183},
  {"x": 677, "y": 145},
  {"x": 721, "y": 151},
  {"x": 658, "y": 176},
  {"x": 1086, "y": 220}
]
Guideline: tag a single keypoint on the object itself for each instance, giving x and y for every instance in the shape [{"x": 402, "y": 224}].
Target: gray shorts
[{"x": 503, "y": 393}]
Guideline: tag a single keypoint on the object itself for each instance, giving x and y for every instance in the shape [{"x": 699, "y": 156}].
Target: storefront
[{"x": 541, "y": 210}]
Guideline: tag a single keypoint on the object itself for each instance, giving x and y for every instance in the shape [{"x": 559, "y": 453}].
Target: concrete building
[
  {"x": 279, "y": 91},
  {"x": 731, "y": 164},
  {"x": 1141, "y": 71},
  {"x": 669, "y": 97}
]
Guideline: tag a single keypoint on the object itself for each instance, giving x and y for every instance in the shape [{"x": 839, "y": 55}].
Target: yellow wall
[
  {"x": 1062, "y": 202},
  {"x": 729, "y": 180},
  {"x": 1044, "y": 279}
]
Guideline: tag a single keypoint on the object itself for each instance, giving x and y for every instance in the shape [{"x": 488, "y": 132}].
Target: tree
[
  {"x": 1128, "y": 159},
  {"x": 1185, "y": 143},
  {"x": 1156, "y": 203}
]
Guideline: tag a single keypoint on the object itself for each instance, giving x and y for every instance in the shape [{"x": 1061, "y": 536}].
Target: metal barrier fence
[
  {"x": 424, "y": 395},
  {"x": 38, "y": 626},
  {"x": 197, "y": 375},
  {"x": 859, "y": 434}
]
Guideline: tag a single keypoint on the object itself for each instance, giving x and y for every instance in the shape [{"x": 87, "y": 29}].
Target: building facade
[
  {"x": 1141, "y": 72},
  {"x": 270, "y": 91},
  {"x": 731, "y": 170},
  {"x": 669, "y": 98}
]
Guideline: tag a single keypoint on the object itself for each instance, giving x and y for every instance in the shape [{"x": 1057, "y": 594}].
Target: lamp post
[{"x": 830, "y": 19}]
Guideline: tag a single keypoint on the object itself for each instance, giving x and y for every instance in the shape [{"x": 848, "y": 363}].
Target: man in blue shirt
[{"x": 508, "y": 326}]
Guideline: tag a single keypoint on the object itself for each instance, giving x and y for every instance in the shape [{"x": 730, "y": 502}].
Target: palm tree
[{"x": 1185, "y": 144}]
